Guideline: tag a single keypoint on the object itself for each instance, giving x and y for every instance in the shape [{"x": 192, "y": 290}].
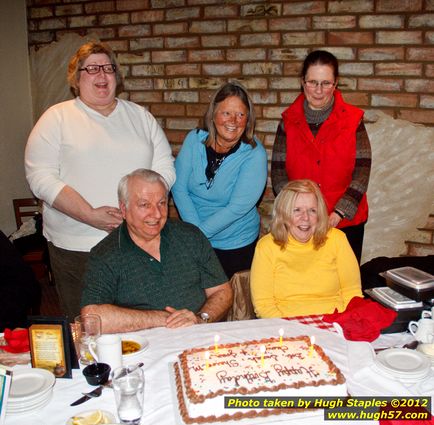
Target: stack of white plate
[
  {"x": 404, "y": 365},
  {"x": 30, "y": 390}
]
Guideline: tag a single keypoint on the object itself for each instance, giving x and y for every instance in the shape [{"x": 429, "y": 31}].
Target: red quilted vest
[{"x": 329, "y": 158}]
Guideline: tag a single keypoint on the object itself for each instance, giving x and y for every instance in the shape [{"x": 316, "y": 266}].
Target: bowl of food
[{"x": 132, "y": 345}]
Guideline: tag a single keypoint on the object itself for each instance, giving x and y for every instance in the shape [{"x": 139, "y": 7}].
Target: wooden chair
[
  {"x": 242, "y": 307},
  {"x": 36, "y": 255}
]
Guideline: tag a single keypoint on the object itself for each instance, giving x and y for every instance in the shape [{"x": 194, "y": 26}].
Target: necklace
[{"x": 215, "y": 160}]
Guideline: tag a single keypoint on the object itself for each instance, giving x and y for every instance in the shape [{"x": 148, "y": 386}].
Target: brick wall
[{"x": 174, "y": 53}]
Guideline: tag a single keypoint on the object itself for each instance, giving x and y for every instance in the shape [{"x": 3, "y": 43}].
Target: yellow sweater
[{"x": 300, "y": 280}]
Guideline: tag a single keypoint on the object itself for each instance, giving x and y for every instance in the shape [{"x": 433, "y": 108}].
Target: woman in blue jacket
[{"x": 221, "y": 173}]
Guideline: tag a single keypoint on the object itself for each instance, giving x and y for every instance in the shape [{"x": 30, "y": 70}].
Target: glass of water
[
  {"x": 128, "y": 385},
  {"x": 87, "y": 328}
]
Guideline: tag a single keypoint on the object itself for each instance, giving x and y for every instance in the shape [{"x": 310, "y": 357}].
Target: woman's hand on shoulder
[
  {"x": 105, "y": 218},
  {"x": 334, "y": 219}
]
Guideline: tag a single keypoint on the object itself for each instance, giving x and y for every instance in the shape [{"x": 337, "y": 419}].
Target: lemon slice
[
  {"x": 106, "y": 420},
  {"x": 95, "y": 418},
  {"x": 89, "y": 356}
]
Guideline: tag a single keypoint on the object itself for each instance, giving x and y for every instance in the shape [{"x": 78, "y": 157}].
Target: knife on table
[
  {"x": 98, "y": 390},
  {"x": 95, "y": 393}
]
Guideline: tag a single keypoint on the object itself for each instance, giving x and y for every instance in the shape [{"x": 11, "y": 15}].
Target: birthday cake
[{"x": 285, "y": 367}]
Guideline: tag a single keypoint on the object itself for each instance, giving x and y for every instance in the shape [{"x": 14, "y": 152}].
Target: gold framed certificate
[{"x": 50, "y": 345}]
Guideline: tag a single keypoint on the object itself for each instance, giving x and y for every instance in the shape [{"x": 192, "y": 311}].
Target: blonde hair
[
  {"x": 76, "y": 62},
  {"x": 283, "y": 211}
]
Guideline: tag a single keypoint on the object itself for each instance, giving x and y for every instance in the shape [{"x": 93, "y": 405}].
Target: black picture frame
[{"x": 71, "y": 359}]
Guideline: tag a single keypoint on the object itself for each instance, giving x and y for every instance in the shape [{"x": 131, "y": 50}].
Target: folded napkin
[
  {"x": 363, "y": 319},
  {"x": 17, "y": 341}
]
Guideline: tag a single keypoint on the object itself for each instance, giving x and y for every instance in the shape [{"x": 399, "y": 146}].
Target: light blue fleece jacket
[{"x": 226, "y": 212}]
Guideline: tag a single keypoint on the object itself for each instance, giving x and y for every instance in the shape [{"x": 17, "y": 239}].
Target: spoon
[{"x": 410, "y": 346}]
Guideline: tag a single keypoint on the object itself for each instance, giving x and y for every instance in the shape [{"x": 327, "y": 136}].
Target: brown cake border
[
  {"x": 196, "y": 399},
  {"x": 339, "y": 379},
  {"x": 226, "y": 417}
]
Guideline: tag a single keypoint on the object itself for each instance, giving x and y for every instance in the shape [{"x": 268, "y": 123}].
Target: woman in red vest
[{"x": 322, "y": 138}]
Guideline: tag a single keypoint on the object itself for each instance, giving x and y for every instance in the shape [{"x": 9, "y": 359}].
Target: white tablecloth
[{"x": 164, "y": 346}]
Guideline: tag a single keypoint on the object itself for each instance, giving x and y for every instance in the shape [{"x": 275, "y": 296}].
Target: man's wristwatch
[{"x": 203, "y": 316}]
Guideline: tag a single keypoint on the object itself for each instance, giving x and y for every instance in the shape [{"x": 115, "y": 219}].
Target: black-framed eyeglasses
[{"x": 108, "y": 68}]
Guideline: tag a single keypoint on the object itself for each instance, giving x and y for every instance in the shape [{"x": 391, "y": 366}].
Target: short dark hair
[{"x": 320, "y": 57}]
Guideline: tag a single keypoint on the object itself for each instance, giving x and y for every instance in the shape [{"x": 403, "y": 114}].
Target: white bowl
[{"x": 143, "y": 342}]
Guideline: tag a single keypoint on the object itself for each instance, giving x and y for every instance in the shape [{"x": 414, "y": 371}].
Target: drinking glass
[
  {"x": 87, "y": 328},
  {"x": 128, "y": 385}
]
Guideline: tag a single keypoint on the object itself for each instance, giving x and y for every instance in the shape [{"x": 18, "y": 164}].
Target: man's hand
[{"x": 180, "y": 318}]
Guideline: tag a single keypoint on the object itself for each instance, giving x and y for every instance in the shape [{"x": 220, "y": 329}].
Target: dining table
[{"x": 353, "y": 358}]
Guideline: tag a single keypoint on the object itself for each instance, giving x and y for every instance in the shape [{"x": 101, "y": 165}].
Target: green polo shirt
[{"x": 121, "y": 273}]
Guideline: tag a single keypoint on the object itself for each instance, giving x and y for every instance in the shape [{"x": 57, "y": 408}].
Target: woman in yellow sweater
[{"x": 302, "y": 266}]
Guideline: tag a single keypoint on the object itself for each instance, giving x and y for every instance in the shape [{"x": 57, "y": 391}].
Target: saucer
[{"x": 409, "y": 364}]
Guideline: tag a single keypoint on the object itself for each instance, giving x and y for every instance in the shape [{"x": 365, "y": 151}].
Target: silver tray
[{"x": 411, "y": 277}]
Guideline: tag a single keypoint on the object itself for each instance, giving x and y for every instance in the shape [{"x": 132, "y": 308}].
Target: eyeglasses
[
  {"x": 108, "y": 68},
  {"x": 313, "y": 84}
]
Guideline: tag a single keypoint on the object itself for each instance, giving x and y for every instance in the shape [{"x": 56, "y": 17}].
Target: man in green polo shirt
[{"x": 151, "y": 271}]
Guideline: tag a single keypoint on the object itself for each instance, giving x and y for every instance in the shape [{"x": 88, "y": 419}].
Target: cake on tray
[{"x": 273, "y": 367}]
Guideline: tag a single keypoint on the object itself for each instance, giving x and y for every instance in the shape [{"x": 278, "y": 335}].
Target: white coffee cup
[
  {"x": 107, "y": 349},
  {"x": 423, "y": 330},
  {"x": 428, "y": 314}
]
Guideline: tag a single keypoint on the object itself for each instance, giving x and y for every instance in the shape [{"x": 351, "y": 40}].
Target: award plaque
[{"x": 51, "y": 345}]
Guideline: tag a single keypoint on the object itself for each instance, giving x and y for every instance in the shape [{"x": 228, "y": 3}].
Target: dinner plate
[
  {"x": 143, "y": 342},
  {"x": 30, "y": 407},
  {"x": 111, "y": 418},
  {"x": 30, "y": 383},
  {"x": 30, "y": 399},
  {"x": 29, "y": 403},
  {"x": 403, "y": 362}
]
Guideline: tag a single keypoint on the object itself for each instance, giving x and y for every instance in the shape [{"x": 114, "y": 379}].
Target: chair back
[
  {"x": 242, "y": 307},
  {"x": 25, "y": 207}
]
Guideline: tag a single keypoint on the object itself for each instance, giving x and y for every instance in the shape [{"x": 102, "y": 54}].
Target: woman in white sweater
[{"x": 75, "y": 156}]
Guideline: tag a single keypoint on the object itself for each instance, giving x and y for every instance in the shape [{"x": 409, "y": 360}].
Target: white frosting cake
[{"x": 292, "y": 367}]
